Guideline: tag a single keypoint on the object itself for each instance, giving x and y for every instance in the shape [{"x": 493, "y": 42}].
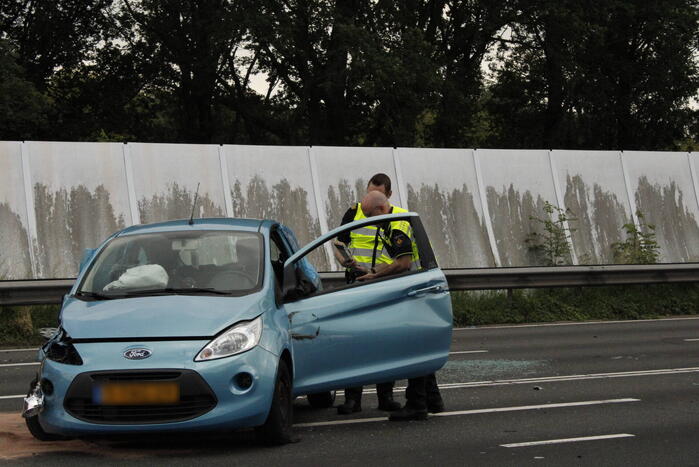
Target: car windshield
[{"x": 195, "y": 262}]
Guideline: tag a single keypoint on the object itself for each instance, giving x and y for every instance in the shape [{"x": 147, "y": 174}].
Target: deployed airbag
[{"x": 140, "y": 277}]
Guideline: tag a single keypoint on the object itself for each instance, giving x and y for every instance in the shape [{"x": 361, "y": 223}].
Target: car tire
[
  {"x": 278, "y": 426},
  {"x": 38, "y": 432},
  {"x": 321, "y": 400}
]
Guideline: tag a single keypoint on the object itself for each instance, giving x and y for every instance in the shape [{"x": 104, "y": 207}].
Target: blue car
[{"x": 213, "y": 324}]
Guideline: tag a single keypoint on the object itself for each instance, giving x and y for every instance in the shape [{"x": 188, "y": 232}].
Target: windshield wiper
[
  {"x": 94, "y": 295},
  {"x": 172, "y": 290}
]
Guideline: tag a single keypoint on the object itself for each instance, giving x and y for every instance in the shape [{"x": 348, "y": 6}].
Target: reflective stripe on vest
[{"x": 362, "y": 241}]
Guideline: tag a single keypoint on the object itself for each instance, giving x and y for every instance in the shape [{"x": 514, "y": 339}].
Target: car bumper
[{"x": 234, "y": 407}]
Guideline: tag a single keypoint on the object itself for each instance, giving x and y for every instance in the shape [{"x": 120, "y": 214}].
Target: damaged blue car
[{"x": 214, "y": 324}]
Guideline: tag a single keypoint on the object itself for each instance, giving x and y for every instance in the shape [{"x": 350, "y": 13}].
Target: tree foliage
[{"x": 613, "y": 74}]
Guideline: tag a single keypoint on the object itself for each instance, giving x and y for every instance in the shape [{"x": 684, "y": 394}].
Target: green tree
[
  {"x": 48, "y": 35},
  {"x": 191, "y": 41},
  {"x": 22, "y": 107},
  {"x": 611, "y": 74}
]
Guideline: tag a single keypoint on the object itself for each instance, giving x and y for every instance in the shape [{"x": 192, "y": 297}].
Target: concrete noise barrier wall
[{"x": 57, "y": 198}]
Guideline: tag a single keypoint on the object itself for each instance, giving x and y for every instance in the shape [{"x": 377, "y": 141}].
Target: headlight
[{"x": 239, "y": 338}]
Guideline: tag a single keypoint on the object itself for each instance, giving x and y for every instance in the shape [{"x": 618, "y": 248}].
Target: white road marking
[
  {"x": 691, "y": 340},
  {"x": 567, "y": 440},
  {"x": 625, "y": 321},
  {"x": 535, "y": 407},
  {"x": 18, "y": 364},
  {"x": 459, "y": 352},
  {"x": 553, "y": 379},
  {"x": 474, "y": 412},
  {"x": 18, "y": 350},
  {"x": 11, "y": 397}
]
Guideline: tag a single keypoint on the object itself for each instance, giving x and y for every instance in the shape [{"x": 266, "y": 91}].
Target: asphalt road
[{"x": 564, "y": 394}]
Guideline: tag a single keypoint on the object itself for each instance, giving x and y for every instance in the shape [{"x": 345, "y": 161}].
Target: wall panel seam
[
  {"x": 32, "y": 233},
  {"x": 560, "y": 201},
  {"x": 227, "y": 198},
  {"x": 485, "y": 209},
  {"x": 131, "y": 190},
  {"x": 320, "y": 206},
  {"x": 400, "y": 181},
  {"x": 627, "y": 183}
]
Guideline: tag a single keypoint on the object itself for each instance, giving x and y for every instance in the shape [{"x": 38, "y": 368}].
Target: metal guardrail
[
  {"x": 34, "y": 292},
  {"x": 51, "y": 291}
]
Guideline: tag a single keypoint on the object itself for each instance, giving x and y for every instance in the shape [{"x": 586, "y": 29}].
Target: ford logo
[{"x": 137, "y": 354}]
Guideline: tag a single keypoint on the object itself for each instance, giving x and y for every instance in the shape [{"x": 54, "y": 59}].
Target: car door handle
[{"x": 431, "y": 289}]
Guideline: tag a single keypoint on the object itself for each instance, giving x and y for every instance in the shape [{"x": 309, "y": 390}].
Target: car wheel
[
  {"x": 278, "y": 427},
  {"x": 38, "y": 432},
  {"x": 321, "y": 400}
]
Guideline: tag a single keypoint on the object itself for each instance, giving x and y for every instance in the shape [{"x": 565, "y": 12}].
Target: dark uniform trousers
[
  {"x": 383, "y": 391},
  {"x": 422, "y": 392}
]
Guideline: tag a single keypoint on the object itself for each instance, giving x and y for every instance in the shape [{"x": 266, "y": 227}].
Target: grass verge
[
  {"x": 19, "y": 326},
  {"x": 574, "y": 304}
]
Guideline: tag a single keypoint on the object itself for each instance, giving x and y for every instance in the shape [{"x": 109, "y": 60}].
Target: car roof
[{"x": 212, "y": 223}]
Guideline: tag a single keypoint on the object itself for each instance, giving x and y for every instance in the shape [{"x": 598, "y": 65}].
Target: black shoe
[
  {"x": 436, "y": 406},
  {"x": 350, "y": 406},
  {"x": 406, "y": 413},
  {"x": 387, "y": 404}
]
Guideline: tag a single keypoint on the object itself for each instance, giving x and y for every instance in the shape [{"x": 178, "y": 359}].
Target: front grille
[{"x": 196, "y": 398}]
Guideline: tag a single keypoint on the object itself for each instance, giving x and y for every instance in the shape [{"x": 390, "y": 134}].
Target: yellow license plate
[{"x": 137, "y": 393}]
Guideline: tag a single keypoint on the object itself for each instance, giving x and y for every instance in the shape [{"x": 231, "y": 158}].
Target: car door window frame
[{"x": 427, "y": 258}]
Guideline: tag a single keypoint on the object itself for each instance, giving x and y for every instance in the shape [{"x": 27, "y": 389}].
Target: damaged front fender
[{"x": 301, "y": 337}]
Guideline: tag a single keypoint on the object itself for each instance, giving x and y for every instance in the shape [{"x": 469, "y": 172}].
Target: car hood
[{"x": 157, "y": 316}]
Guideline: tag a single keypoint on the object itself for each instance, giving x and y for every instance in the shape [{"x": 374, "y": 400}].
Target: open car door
[{"x": 394, "y": 327}]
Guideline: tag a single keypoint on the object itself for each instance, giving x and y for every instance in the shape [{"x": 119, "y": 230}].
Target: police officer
[
  {"x": 368, "y": 254},
  {"x": 422, "y": 393}
]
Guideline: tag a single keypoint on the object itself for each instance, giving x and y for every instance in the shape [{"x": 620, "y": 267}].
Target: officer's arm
[
  {"x": 399, "y": 265},
  {"x": 346, "y": 219},
  {"x": 344, "y": 238},
  {"x": 402, "y": 257}
]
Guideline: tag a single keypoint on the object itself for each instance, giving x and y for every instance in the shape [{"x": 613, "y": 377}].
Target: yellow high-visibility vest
[{"x": 362, "y": 240}]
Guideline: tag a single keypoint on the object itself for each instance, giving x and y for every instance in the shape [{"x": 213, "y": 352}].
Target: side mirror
[{"x": 88, "y": 253}]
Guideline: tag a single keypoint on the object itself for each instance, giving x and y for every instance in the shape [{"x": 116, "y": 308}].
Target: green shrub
[
  {"x": 640, "y": 246},
  {"x": 552, "y": 245}
]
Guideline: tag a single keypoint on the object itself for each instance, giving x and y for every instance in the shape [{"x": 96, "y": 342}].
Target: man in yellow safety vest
[
  {"x": 422, "y": 394},
  {"x": 369, "y": 247},
  {"x": 368, "y": 255}
]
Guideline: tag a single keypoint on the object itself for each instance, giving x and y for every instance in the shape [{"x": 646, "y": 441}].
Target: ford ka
[{"x": 213, "y": 324}]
